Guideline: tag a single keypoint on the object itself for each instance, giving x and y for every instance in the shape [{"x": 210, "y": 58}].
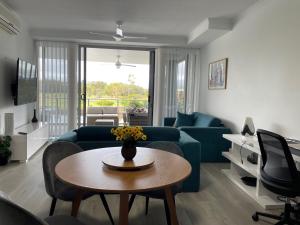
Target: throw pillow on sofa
[{"x": 184, "y": 120}]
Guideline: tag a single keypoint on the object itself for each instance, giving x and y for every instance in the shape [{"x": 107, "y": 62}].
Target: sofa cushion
[
  {"x": 109, "y": 110},
  {"x": 94, "y": 110},
  {"x": 162, "y": 133},
  {"x": 104, "y": 116},
  {"x": 184, "y": 120},
  {"x": 95, "y": 133},
  {"x": 88, "y": 145},
  {"x": 103, "y": 133},
  {"x": 102, "y": 110},
  {"x": 204, "y": 120}
]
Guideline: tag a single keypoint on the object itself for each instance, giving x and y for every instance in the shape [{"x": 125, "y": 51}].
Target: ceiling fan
[
  {"x": 119, "y": 64},
  {"x": 119, "y": 35}
]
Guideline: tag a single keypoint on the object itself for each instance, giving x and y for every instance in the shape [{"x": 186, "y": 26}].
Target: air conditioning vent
[{"x": 9, "y": 20}]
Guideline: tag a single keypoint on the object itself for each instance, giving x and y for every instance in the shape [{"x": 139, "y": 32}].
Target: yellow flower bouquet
[
  {"x": 123, "y": 133},
  {"x": 129, "y": 136}
]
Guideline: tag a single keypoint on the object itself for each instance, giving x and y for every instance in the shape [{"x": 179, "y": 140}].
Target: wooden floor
[{"x": 218, "y": 202}]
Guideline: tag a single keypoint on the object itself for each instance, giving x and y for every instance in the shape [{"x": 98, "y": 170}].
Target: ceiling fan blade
[
  {"x": 105, "y": 63},
  {"x": 133, "y": 37},
  {"x": 101, "y": 34},
  {"x": 117, "y": 38},
  {"x": 128, "y": 65}
]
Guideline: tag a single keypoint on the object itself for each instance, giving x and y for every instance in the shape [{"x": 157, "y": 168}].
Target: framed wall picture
[{"x": 217, "y": 74}]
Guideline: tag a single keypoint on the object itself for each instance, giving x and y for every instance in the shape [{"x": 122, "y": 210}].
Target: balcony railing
[
  {"x": 119, "y": 102},
  {"x": 54, "y": 110},
  {"x": 122, "y": 105}
]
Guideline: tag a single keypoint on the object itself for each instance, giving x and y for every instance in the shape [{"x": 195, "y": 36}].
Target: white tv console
[
  {"x": 27, "y": 140},
  {"x": 242, "y": 147}
]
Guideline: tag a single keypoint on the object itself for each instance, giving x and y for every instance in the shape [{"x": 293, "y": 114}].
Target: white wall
[
  {"x": 264, "y": 69},
  {"x": 12, "y": 47}
]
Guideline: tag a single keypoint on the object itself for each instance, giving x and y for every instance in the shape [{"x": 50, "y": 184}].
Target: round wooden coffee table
[{"x": 87, "y": 172}]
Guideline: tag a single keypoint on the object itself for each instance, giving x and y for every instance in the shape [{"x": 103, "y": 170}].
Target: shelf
[
  {"x": 295, "y": 146},
  {"x": 249, "y": 143},
  {"x": 242, "y": 145},
  {"x": 248, "y": 167},
  {"x": 237, "y": 180},
  {"x": 29, "y": 128},
  {"x": 265, "y": 201}
]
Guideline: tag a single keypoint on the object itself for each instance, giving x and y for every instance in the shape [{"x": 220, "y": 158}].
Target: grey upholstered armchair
[
  {"x": 54, "y": 187},
  {"x": 13, "y": 214}
]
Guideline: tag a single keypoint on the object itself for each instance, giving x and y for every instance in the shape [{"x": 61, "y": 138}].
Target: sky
[{"x": 107, "y": 72}]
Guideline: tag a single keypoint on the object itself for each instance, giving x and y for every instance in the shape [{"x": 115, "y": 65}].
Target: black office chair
[{"x": 278, "y": 174}]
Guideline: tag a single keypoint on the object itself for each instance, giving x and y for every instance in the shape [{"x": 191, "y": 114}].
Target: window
[
  {"x": 54, "y": 84},
  {"x": 181, "y": 86}
]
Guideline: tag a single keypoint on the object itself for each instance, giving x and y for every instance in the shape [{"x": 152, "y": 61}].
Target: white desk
[
  {"x": 296, "y": 146},
  {"x": 248, "y": 145}
]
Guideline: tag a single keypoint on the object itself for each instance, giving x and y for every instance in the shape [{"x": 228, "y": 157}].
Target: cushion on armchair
[
  {"x": 161, "y": 133},
  {"x": 204, "y": 120},
  {"x": 184, "y": 120}
]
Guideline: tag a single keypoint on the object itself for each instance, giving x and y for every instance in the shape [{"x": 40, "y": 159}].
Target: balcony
[
  {"x": 117, "y": 111},
  {"x": 55, "y": 113}
]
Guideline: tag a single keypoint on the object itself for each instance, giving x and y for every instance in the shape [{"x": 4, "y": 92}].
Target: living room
[{"x": 226, "y": 66}]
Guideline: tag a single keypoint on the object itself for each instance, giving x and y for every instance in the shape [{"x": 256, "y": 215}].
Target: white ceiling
[{"x": 157, "y": 18}]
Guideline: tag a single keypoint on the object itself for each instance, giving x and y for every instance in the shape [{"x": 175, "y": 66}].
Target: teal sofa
[
  {"x": 208, "y": 130},
  {"x": 91, "y": 137}
]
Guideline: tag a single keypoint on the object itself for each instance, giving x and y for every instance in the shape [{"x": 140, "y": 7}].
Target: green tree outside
[{"x": 116, "y": 94}]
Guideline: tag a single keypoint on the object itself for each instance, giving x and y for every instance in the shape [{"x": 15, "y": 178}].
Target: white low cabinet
[
  {"x": 27, "y": 140},
  {"x": 242, "y": 147}
]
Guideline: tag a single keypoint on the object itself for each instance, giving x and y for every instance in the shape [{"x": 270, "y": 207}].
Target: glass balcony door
[{"x": 116, "y": 86}]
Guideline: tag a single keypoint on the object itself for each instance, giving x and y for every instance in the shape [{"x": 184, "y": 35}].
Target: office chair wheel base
[{"x": 255, "y": 217}]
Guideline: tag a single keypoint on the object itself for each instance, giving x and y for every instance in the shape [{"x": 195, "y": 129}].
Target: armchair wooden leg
[
  {"x": 103, "y": 199},
  {"x": 147, "y": 205},
  {"x": 171, "y": 205},
  {"x": 52, "y": 208},
  {"x": 76, "y": 203},
  {"x": 123, "y": 210},
  {"x": 167, "y": 212},
  {"x": 131, "y": 200}
]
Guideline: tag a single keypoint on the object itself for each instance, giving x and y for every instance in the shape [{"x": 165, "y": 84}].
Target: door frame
[
  {"x": 82, "y": 93},
  {"x": 151, "y": 85}
]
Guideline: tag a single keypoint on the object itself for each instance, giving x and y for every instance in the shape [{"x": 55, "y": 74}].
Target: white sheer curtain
[
  {"x": 177, "y": 80},
  {"x": 193, "y": 82},
  {"x": 57, "y": 67}
]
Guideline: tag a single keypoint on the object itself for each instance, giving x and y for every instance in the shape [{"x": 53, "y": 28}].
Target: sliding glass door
[{"x": 116, "y": 86}]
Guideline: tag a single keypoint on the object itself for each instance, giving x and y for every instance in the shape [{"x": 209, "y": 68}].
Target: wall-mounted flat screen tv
[{"x": 25, "y": 88}]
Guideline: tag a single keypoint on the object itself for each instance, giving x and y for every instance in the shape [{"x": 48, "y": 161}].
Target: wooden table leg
[
  {"x": 123, "y": 213},
  {"x": 76, "y": 203},
  {"x": 171, "y": 205}
]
